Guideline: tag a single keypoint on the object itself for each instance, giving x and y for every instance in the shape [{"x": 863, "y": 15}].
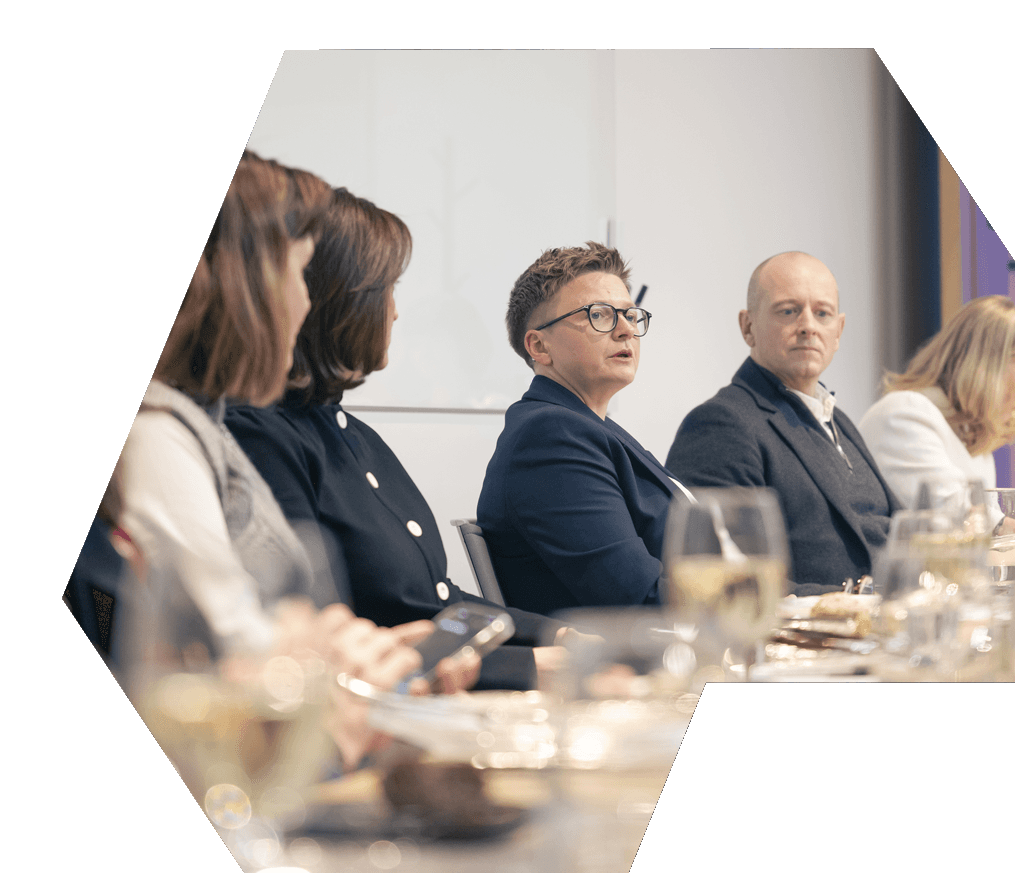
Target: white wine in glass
[{"x": 725, "y": 557}]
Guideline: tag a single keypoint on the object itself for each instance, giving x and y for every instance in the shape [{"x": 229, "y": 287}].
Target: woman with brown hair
[
  {"x": 221, "y": 559},
  {"x": 954, "y": 405},
  {"x": 328, "y": 468}
]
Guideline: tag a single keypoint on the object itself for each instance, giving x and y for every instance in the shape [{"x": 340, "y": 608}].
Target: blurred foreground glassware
[
  {"x": 619, "y": 709},
  {"x": 966, "y": 505},
  {"x": 1002, "y": 555},
  {"x": 244, "y": 745},
  {"x": 725, "y": 560},
  {"x": 246, "y": 733},
  {"x": 488, "y": 729},
  {"x": 936, "y": 609}
]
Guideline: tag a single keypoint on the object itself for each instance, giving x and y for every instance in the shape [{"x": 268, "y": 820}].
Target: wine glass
[
  {"x": 725, "y": 557},
  {"x": 967, "y": 505},
  {"x": 933, "y": 579},
  {"x": 619, "y": 707},
  {"x": 246, "y": 733},
  {"x": 1002, "y": 556}
]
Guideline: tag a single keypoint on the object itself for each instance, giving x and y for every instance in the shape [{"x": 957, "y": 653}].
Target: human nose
[
  {"x": 807, "y": 323},
  {"x": 623, "y": 327}
]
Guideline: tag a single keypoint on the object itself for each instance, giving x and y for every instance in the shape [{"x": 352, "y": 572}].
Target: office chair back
[{"x": 479, "y": 559}]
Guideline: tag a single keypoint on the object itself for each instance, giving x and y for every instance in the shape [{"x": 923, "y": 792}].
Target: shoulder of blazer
[
  {"x": 753, "y": 381},
  {"x": 544, "y": 400}
]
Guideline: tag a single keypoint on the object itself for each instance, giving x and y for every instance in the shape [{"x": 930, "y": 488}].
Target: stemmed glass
[
  {"x": 1002, "y": 556},
  {"x": 618, "y": 707},
  {"x": 934, "y": 583},
  {"x": 725, "y": 558},
  {"x": 246, "y": 733}
]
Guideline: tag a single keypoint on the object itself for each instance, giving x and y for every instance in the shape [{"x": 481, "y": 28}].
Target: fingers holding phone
[
  {"x": 414, "y": 632},
  {"x": 452, "y": 654},
  {"x": 458, "y": 672}
]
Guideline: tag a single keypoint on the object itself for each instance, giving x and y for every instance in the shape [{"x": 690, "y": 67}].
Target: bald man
[{"x": 776, "y": 426}]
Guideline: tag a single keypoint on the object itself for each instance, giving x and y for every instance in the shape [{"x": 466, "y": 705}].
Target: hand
[
  {"x": 457, "y": 672},
  {"x": 358, "y": 647},
  {"x": 376, "y": 655},
  {"x": 414, "y": 632},
  {"x": 549, "y": 659}
]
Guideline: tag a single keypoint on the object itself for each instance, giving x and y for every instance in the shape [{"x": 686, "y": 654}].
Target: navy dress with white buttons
[{"x": 384, "y": 550}]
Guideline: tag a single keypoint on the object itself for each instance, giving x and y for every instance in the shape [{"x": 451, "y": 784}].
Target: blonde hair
[{"x": 968, "y": 360}]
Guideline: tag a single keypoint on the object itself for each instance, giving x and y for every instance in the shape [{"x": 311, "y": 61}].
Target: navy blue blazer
[
  {"x": 756, "y": 432},
  {"x": 573, "y": 508},
  {"x": 344, "y": 485}
]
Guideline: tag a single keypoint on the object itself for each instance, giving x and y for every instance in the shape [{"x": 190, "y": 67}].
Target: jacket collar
[
  {"x": 766, "y": 387},
  {"x": 547, "y": 391},
  {"x": 792, "y": 420}
]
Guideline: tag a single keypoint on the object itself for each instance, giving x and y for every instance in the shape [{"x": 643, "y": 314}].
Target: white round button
[
  {"x": 372, "y": 479},
  {"x": 414, "y": 528},
  {"x": 442, "y": 591},
  {"x": 343, "y": 422}
]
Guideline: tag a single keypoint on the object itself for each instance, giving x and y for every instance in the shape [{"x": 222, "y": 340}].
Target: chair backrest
[{"x": 479, "y": 559}]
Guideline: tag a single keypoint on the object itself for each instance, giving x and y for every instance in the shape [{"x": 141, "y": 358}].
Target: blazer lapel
[
  {"x": 849, "y": 429},
  {"x": 818, "y": 464},
  {"x": 794, "y": 430},
  {"x": 548, "y": 391},
  {"x": 644, "y": 457}
]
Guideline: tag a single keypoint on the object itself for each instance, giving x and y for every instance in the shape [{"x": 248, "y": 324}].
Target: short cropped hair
[
  {"x": 361, "y": 253},
  {"x": 968, "y": 360},
  {"x": 554, "y": 269},
  {"x": 230, "y": 334}
]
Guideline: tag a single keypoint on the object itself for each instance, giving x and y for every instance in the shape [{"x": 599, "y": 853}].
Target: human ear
[
  {"x": 537, "y": 348},
  {"x": 746, "y": 327}
]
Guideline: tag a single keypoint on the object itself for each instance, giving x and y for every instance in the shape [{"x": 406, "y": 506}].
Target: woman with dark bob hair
[
  {"x": 940, "y": 420},
  {"x": 327, "y": 467},
  {"x": 219, "y": 554}
]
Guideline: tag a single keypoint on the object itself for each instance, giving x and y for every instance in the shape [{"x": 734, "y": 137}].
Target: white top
[
  {"x": 910, "y": 439},
  {"x": 173, "y": 512}
]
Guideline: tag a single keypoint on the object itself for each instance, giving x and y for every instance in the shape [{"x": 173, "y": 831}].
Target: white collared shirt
[{"x": 822, "y": 405}]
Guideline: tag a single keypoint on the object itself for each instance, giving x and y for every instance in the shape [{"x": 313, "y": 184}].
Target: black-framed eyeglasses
[{"x": 603, "y": 317}]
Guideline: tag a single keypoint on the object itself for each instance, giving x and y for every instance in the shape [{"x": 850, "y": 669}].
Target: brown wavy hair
[
  {"x": 551, "y": 272},
  {"x": 230, "y": 334},
  {"x": 968, "y": 360},
  {"x": 361, "y": 253}
]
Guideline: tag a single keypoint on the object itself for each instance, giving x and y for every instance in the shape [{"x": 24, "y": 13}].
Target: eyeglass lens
[{"x": 603, "y": 318}]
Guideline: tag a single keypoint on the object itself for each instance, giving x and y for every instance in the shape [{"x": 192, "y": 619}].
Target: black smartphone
[{"x": 462, "y": 625}]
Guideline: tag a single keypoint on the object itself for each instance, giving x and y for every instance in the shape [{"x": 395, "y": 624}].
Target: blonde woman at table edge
[
  {"x": 953, "y": 406},
  {"x": 220, "y": 559}
]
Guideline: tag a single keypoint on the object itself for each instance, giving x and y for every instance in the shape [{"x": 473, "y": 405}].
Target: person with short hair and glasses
[{"x": 573, "y": 508}]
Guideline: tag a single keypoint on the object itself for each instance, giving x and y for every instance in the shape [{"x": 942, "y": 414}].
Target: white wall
[
  {"x": 489, "y": 157},
  {"x": 723, "y": 159},
  {"x": 709, "y": 161}
]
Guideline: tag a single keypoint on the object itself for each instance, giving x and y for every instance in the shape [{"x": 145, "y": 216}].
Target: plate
[{"x": 497, "y": 729}]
